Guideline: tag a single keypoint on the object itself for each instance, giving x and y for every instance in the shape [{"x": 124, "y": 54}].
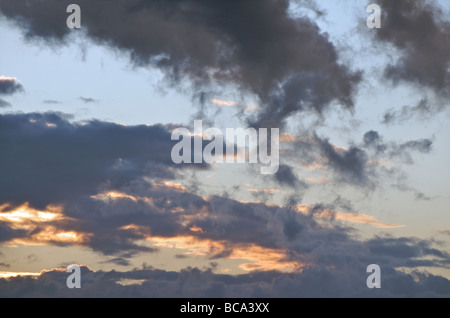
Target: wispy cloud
[
  {"x": 51, "y": 102},
  {"x": 88, "y": 100}
]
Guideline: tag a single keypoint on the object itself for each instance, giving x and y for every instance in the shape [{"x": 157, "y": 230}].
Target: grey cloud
[
  {"x": 119, "y": 261},
  {"x": 88, "y": 100},
  {"x": 51, "y": 102},
  {"x": 286, "y": 176},
  {"x": 286, "y": 62},
  {"x": 3, "y": 264},
  {"x": 236, "y": 223},
  {"x": 332, "y": 249},
  {"x": 47, "y": 159},
  {"x": 9, "y": 86},
  {"x": 4, "y": 104},
  {"x": 361, "y": 162},
  {"x": 419, "y": 30},
  {"x": 414, "y": 251},
  {"x": 371, "y": 137},
  {"x": 422, "y": 196},
  {"x": 372, "y": 140},
  {"x": 193, "y": 282},
  {"x": 423, "y": 145},
  {"x": 72, "y": 161},
  {"x": 7, "y": 233},
  {"x": 350, "y": 164},
  {"x": 420, "y": 111},
  {"x": 31, "y": 258}
]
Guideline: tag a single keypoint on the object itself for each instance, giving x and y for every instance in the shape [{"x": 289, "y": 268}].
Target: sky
[{"x": 87, "y": 178}]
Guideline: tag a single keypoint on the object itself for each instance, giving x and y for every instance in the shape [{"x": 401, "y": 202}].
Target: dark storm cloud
[
  {"x": 417, "y": 194},
  {"x": 47, "y": 159},
  {"x": 193, "y": 282},
  {"x": 419, "y": 30},
  {"x": 286, "y": 62}
]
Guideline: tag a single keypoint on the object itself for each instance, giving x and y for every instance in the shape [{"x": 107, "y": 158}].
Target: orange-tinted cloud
[
  {"x": 40, "y": 226},
  {"x": 254, "y": 257},
  {"x": 349, "y": 217}
]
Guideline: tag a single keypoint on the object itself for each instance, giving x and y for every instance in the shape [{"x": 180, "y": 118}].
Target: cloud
[
  {"x": 286, "y": 176},
  {"x": 144, "y": 216},
  {"x": 392, "y": 150},
  {"x": 329, "y": 211},
  {"x": 286, "y": 62},
  {"x": 147, "y": 216},
  {"x": 72, "y": 160},
  {"x": 420, "y": 111},
  {"x": 193, "y": 282},
  {"x": 10, "y": 85},
  {"x": 226, "y": 226},
  {"x": 88, "y": 100},
  {"x": 4, "y": 104},
  {"x": 349, "y": 164},
  {"x": 114, "y": 185},
  {"x": 119, "y": 261},
  {"x": 419, "y": 30},
  {"x": 31, "y": 258},
  {"x": 361, "y": 163},
  {"x": 417, "y": 194},
  {"x": 344, "y": 165},
  {"x": 51, "y": 102},
  {"x": 415, "y": 252}
]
